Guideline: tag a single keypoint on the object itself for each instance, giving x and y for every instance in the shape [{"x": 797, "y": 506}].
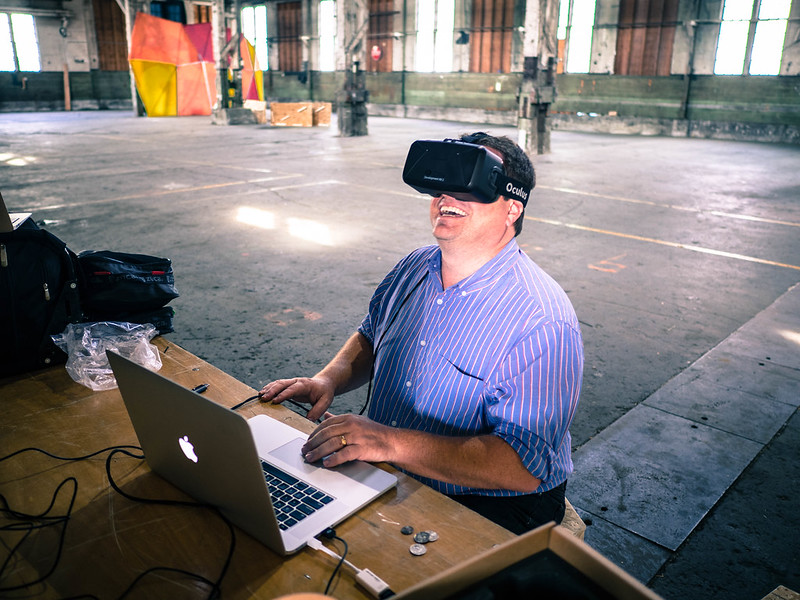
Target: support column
[
  {"x": 231, "y": 110},
  {"x": 538, "y": 87},
  {"x": 351, "y": 101},
  {"x": 351, "y": 104},
  {"x": 129, "y": 9}
]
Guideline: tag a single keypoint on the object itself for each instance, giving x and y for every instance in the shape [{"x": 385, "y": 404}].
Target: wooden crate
[
  {"x": 300, "y": 114},
  {"x": 292, "y": 114}
]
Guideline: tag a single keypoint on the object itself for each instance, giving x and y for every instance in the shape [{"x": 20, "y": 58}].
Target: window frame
[
  {"x": 750, "y": 40},
  {"x": 14, "y": 44},
  {"x": 439, "y": 51}
]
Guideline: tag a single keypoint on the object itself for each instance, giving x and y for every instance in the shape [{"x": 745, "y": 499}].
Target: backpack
[{"x": 39, "y": 296}]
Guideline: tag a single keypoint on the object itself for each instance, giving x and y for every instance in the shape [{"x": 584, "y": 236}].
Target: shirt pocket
[
  {"x": 470, "y": 358},
  {"x": 457, "y": 388}
]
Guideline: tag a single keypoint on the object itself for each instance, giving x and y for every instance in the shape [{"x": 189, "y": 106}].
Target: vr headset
[{"x": 467, "y": 172}]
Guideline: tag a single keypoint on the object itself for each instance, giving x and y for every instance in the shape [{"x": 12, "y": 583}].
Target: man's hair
[{"x": 516, "y": 163}]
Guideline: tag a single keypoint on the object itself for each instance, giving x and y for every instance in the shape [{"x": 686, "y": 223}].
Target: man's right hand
[{"x": 317, "y": 391}]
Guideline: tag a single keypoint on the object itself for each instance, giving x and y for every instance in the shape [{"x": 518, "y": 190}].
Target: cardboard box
[
  {"x": 300, "y": 114},
  {"x": 547, "y": 562}
]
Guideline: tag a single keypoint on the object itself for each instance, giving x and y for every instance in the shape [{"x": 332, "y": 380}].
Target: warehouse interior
[
  {"x": 691, "y": 68},
  {"x": 666, "y": 206}
]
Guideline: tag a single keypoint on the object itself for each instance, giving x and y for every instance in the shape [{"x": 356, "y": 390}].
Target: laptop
[
  {"x": 10, "y": 221},
  {"x": 250, "y": 469}
]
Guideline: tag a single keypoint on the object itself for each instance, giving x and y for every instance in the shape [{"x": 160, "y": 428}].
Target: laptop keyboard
[{"x": 292, "y": 499}]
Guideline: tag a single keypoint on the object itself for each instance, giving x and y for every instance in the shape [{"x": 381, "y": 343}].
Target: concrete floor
[{"x": 682, "y": 258}]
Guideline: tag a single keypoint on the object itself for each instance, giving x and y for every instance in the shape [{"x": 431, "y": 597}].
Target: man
[{"x": 476, "y": 355}]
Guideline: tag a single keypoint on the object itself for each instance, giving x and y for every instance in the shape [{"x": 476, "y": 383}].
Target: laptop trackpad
[{"x": 290, "y": 453}]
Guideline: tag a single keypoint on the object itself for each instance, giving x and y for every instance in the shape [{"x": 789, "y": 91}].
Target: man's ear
[{"x": 515, "y": 209}]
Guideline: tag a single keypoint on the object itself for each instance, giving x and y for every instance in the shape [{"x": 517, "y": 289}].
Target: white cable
[
  {"x": 317, "y": 545},
  {"x": 364, "y": 577}
]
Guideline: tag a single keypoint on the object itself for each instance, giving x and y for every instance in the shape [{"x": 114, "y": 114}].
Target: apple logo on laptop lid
[{"x": 188, "y": 448}]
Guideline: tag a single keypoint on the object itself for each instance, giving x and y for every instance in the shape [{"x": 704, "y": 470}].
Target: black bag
[
  {"x": 115, "y": 283},
  {"x": 39, "y": 296},
  {"x": 160, "y": 318}
]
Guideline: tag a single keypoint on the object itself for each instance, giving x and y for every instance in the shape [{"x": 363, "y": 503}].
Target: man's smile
[{"x": 448, "y": 210}]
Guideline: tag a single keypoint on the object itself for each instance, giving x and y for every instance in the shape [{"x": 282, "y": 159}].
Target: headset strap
[{"x": 510, "y": 188}]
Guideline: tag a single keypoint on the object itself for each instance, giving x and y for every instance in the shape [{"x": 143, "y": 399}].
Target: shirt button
[
  {"x": 422, "y": 342},
  {"x": 408, "y": 384},
  {"x": 394, "y": 423},
  {"x": 463, "y": 293},
  {"x": 439, "y": 301}
]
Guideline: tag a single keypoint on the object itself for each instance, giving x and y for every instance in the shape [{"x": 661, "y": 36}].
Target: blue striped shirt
[{"x": 498, "y": 353}]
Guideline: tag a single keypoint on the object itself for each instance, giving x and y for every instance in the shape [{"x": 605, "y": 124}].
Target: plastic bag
[{"x": 86, "y": 343}]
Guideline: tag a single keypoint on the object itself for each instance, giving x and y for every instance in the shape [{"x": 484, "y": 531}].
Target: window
[
  {"x": 752, "y": 34},
  {"x": 19, "y": 48},
  {"x": 202, "y": 13},
  {"x": 434, "y": 51},
  {"x": 254, "y": 28},
  {"x": 327, "y": 35},
  {"x": 576, "y": 26},
  {"x": 561, "y": 33},
  {"x": 170, "y": 10}
]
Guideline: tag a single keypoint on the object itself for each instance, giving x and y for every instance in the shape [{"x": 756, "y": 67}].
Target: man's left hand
[{"x": 342, "y": 438}]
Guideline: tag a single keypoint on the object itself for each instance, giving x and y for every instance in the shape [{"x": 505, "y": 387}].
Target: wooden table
[{"x": 110, "y": 540}]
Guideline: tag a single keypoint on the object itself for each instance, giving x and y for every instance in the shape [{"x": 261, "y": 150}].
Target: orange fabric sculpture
[{"x": 173, "y": 66}]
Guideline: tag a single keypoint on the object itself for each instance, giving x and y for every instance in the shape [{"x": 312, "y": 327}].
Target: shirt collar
[{"x": 486, "y": 276}]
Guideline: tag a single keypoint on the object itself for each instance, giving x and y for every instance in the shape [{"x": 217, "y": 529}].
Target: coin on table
[
  {"x": 417, "y": 549},
  {"x": 432, "y": 536},
  {"x": 407, "y": 530},
  {"x": 422, "y": 537}
]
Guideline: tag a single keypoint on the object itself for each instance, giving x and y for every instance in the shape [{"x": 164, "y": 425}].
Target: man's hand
[
  {"x": 343, "y": 438},
  {"x": 317, "y": 391},
  {"x": 348, "y": 370},
  {"x": 481, "y": 461}
]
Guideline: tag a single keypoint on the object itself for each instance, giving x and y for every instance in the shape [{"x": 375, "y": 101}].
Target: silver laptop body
[{"x": 215, "y": 455}]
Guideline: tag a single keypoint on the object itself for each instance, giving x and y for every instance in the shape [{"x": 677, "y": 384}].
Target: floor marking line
[
  {"x": 716, "y": 213},
  {"x": 302, "y": 185},
  {"x": 640, "y": 238},
  {"x": 159, "y": 193}
]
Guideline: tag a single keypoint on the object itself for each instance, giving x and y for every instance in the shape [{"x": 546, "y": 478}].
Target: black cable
[
  {"x": 375, "y": 354},
  {"x": 341, "y": 559},
  {"x": 216, "y": 586},
  {"x": 29, "y": 527},
  {"x": 50, "y": 521},
  {"x": 251, "y": 398},
  {"x": 216, "y": 592},
  {"x": 65, "y": 458},
  {"x": 241, "y": 404},
  {"x": 377, "y": 345}
]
